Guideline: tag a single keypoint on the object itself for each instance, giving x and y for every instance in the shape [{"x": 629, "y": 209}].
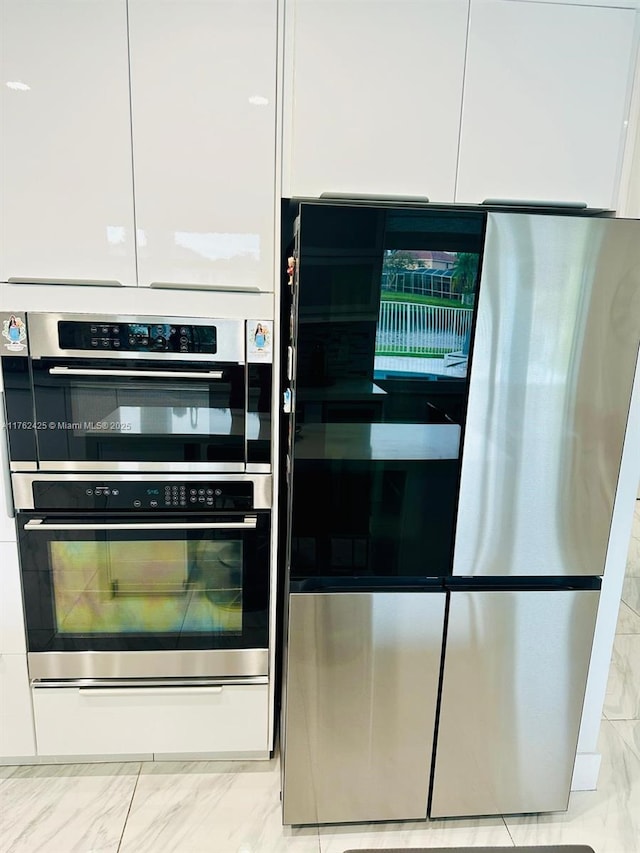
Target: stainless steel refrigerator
[{"x": 460, "y": 382}]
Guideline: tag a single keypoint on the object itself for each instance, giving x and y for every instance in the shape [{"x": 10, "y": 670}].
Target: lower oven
[{"x": 129, "y": 578}]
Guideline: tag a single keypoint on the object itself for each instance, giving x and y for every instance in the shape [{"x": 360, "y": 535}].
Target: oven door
[
  {"x": 106, "y": 414},
  {"x": 122, "y": 596}
]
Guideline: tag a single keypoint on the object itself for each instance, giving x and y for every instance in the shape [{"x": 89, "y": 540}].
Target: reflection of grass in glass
[
  {"x": 407, "y": 352},
  {"x": 416, "y": 298}
]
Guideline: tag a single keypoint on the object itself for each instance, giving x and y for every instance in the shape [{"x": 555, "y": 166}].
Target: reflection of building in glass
[{"x": 445, "y": 275}]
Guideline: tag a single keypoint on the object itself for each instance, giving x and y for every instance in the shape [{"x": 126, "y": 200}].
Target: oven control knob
[
  {"x": 137, "y": 503},
  {"x": 160, "y": 342}
]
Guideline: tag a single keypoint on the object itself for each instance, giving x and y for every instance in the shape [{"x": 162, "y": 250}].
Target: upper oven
[{"x": 122, "y": 393}]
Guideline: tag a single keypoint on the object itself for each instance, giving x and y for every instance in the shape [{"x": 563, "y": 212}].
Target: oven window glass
[
  {"x": 142, "y": 587},
  {"x": 139, "y": 418},
  {"x": 105, "y": 584}
]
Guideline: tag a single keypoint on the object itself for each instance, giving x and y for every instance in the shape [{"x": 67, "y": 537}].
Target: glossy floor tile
[
  {"x": 68, "y": 808},
  {"x": 437, "y": 833},
  {"x": 631, "y": 593},
  {"x": 202, "y": 807},
  {"x": 629, "y": 731},
  {"x": 622, "y": 699},
  {"x": 628, "y": 620},
  {"x": 607, "y": 819}
]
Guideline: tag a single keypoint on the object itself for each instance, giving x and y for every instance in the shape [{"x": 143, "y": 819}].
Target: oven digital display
[
  {"x": 122, "y": 338},
  {"x": 136, "y": 329}
]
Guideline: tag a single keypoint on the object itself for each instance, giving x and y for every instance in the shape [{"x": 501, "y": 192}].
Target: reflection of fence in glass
[
  {"x": 431, "y": 282},
  {"x": 406, "y": 328}
]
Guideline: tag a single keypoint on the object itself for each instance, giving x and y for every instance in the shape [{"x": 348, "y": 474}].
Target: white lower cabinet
[
  {"x": 230, "y": 720},
  {"x": 16, "y": 714},
  {"x": 12, "y": 630}
]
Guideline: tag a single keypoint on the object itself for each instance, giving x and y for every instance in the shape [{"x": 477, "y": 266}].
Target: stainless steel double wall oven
[{"x": 140, "y": 453}]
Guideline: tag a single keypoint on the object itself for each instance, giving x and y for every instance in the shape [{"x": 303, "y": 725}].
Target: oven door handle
[
  {"x": 207, "y": 375},
  {"x": 250, "y": 522}
]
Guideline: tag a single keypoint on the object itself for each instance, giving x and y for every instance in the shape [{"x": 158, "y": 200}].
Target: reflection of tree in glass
[
  {"x": 396, "y": 261},
  {"x": 465, "y": 272}
]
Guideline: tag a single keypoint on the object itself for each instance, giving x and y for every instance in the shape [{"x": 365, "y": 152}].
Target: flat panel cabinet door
[
  {"x": 372, "y": 96},
  {"x": 554, "y": 358},
  {"x": 203, "y": 78},
  {"x": 12, "y": 627},
  {"x": 515, "y": 670},
  {"x": 66, "y": 206},
  {"x": 545, "y": 102},
  {"x": 16, "y": 711},
  {"x": 362, "y": 686}
]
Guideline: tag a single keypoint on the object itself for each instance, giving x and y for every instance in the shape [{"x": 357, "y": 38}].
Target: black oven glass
[
  {"x": 129, "y": 411},
  {"x": 123, "y": 589}
]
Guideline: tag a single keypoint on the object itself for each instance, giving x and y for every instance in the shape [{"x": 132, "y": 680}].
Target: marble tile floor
[{"x": 234, "y": 807}]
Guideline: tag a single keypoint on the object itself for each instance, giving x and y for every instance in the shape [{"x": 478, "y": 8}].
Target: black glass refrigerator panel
[{"x": 383, "y": 309}]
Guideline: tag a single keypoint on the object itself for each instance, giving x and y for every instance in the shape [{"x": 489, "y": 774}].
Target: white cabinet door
[
  {"x": 230, "y": 719},
  {"x": 16, "y": 711},
  {"x": 203, "y": 75},
  {"x": 12, "y": 630},
  {"x": 545, "y": 102},
  {"x": 372, "y": 96},
  {"x": 66, "y": 206}
]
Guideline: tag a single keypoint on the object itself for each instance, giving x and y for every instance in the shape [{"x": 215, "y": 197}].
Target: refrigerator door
[
  {"x": 362, "y": 687},
  {"x": 555, "y": 350},
  {"x": 513, "y": 686}
]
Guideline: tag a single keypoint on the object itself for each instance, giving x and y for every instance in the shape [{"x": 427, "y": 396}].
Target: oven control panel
[
  {"x": 136, "y": 337},
  {"x": 147, "y": 496}
]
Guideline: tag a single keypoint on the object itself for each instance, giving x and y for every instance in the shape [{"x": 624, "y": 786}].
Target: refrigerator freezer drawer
[
  {"x": 514, "y": 679},
  {"x": 361, "y": 692}
]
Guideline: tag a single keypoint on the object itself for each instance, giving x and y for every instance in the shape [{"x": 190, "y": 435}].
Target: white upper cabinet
[
  {"x": 66, "y": 206},
  {"x": 545, "y": 103},
  {"x": 372, "y": 96},
  {"x": 203, "y": 88}
]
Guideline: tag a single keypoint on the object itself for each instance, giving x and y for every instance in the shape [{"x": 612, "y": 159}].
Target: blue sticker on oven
[
  {"x": 259, "y": 340},
  {"x": 15, "y": 332}
]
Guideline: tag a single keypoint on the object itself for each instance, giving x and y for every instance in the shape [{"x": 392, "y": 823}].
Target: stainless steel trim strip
[
  {"x": 250, "y": 523},
  {"x": 184, "y": 664},
  {"x": 144, "y": 683},
  {"x": 43, "y": 337},
  {"x": 23, "y": 466},
  {"x": 144, "y": 374},
  {"x": 213, "y": 467},
  {"x": 149, "y": 691},
  {"x": 23, "y": 483},
  {"x": 5, "y": 471},
  {"x": 84, "y": 282},
  {"x": 220, "y": 288}
]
